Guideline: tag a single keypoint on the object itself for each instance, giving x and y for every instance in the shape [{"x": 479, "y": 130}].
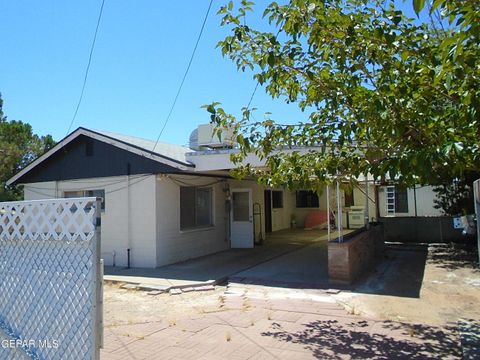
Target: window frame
[
  {"x": 86, "y": 193},
  {"x": 183, "y": 224},
  {"x": 309, "y": 193},
  {"x": 280, "y": 203},
  {"x": 404, "y": 193}
]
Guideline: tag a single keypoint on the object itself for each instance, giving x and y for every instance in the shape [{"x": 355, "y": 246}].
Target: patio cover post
[
  {"x": 328, "y": 212},
  {"x": 339, "y": 214},
  {"x": 367, "y": 213}
]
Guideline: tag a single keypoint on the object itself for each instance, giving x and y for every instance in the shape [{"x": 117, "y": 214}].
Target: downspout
[{"x": 129, "y": 227}]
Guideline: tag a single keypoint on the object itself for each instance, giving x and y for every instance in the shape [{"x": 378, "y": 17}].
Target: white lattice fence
[{"x": 50, "y": 284}]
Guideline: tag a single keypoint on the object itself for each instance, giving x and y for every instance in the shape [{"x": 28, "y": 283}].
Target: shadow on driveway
[{"x": 400, "y": 274}]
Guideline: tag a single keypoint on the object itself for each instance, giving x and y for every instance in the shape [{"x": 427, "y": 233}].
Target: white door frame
[{"x": 241, "y": 232}]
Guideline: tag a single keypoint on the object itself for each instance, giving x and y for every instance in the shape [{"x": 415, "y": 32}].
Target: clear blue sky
[{"x": 142, "y": 50}]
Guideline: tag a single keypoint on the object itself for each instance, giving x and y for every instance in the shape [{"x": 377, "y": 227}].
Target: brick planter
[{"x": 358, "y": 253}]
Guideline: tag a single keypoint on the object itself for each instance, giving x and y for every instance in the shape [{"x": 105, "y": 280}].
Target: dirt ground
[
  {"x": 408, "y": 308},
  {"x": 436, "y": 286},
  {"x": 256, "y": 322},
  {"x": 445, "y": 290},
  {"x": 123, "y": 307}
]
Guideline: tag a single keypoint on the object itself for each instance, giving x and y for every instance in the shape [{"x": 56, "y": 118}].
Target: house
[
  {"x": 417, "y": 201},
  {"x": 166, "y": 203}
]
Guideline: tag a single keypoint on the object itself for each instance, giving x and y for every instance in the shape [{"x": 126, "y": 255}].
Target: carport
[{"x": 294, "y": 258}]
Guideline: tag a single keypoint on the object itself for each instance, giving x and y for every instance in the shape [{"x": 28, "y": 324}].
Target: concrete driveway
[
  {"x": 290, "y": 257},
  {"x": 305, "y": 268}
]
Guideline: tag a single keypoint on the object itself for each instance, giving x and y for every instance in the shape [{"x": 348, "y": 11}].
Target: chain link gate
[{"x": 50, "y": 279}]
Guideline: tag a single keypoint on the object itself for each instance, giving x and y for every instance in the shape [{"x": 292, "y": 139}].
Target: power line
[
  {"x": 253, "y": 94},
  {"x": 137, "y": 180},
  {"x": 88, "y": 68},
  {"x": 184, "y": 75},
  {"x": 258, "y": 83},
  {"x": 183, "y": 183}
]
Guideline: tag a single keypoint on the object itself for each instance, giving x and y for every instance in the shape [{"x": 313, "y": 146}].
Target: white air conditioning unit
[
  {"x": 356, "y": 217},
  {"x": 207, "y": 137}
]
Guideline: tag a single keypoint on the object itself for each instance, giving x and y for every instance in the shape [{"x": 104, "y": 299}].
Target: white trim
[
  {"x": 197, "y": 229},
  {"x": 103, "y": 138}
]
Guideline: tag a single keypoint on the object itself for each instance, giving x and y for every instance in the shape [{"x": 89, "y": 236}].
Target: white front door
[{"x": 241, "y": 219}]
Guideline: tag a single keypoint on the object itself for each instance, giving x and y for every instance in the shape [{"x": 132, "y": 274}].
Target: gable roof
[
  {"x": 163, "y": 153},
  {"x": 165, "y": 150}
]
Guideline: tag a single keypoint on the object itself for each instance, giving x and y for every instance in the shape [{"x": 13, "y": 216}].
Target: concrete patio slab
[
  {"x": 283, "y": 246},
  {"x": 307, "y": 267}
]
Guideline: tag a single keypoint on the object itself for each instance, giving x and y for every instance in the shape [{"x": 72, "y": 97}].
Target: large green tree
[
  {"x": 382, "y": 93},
  {"x": 18, "y": 147}
]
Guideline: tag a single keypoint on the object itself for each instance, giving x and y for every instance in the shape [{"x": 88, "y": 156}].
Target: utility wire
[
  {"x": 88, "y": 68},
  {"x": 184, "y": 75},
  {"x": 258, "y": 83},
  {"x": 253, "y": 95}
]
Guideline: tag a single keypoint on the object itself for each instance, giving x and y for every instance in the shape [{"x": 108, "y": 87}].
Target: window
[
  {"x": 349, "y": 198},
  {"x": 277, "y": 199},
  {"x": 73, "y": 194},
  {"x": 307, "y": 199},
  {"x": 401, "y": 200},
  {"x": 86, "y": 193},
  {"x": 195, "y": 207},
  {"x": 241, "y": 206}
]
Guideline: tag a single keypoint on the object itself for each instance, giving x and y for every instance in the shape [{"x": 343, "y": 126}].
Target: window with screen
[
  {"x": 195, "y": 207},
  {"x": 306, "y": 199},
  {"x": 241, "y": 206},
  {"x": 86, "y": 193},
  {"x": 401, "y": 200}
]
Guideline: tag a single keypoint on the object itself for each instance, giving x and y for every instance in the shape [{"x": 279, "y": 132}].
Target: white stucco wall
[
  {"x": 424, "y": 202},
  {"x": 174, "y": 244},
  {"x": 280, "y": 216},
  {"x": 145, "y": 216},
  {"x": 360, "y": 199},
  {"x": 119, "y": 220},
  {"x": 40, "y": 191}
]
